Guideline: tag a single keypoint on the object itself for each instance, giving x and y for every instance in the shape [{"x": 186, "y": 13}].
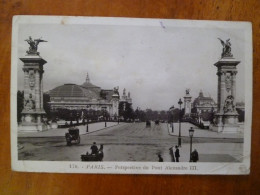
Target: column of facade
[
  {"x": 41, "y": 90},
  {"x": 219, "y": 89},
  {"x": 222, "y": 90},
  {"x": 37, "y": 94},
  {"x": 26, "y": 82},
  {"x": 37, "y": 90},
  {"x": 233, "y": 90}
]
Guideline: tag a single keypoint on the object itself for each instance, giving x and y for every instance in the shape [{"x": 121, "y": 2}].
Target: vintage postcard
[{"x": 131, "y": 96}]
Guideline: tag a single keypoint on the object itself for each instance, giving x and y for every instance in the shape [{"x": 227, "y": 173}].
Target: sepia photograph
[{"x": 131, "y": 96}]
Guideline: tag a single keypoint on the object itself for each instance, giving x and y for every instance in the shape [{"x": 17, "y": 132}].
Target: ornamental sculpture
[
  {"x": 229, "y": 104},
  {"x": 226, "y": 52},
  {"x": 33, "y": 45},
  {"x": 116, "y": 90},
  {"x": 187, "y": 91},
  {"x": 29, "y": 103},
  {"x": 31, "y": 79}
]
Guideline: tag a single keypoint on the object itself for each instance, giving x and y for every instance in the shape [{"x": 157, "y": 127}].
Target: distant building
[
  {"x": 126, "y": 98},
  {"x": 85, "y": 97},
  {"x": 204, "y": 104}
]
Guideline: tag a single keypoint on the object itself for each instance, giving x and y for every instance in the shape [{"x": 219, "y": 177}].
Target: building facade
[
  {"x": 85, "y": 97},
  {"x": 204, "y": 104}
]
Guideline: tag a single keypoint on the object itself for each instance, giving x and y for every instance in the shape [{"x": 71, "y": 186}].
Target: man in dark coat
[
  {"x": 160, "y": 158},
  {"x": 94, "y": 149},
  {"x": 177, "y": 153},
  {"x": 194, "y": 156}
]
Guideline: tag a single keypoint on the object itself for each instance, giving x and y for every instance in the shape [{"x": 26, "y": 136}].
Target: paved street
[{"x": 125, "y": 142}]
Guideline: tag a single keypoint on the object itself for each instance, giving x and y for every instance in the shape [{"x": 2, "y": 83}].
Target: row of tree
[{"x": 126, "y": 112}]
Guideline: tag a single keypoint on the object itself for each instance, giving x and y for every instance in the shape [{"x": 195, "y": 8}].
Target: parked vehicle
[
  {"x": 72, "y": 137},
  {"x": 93, "y": 157}
]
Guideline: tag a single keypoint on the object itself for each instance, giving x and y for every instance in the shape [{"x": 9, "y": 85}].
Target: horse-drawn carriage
[
  {"x": 94, "y": 157},
  {"x": 72, "y": 136}
]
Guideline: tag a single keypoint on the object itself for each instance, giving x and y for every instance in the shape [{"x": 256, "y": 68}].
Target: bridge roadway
[
  {"x": 131, "y": 142},
  {"x": 126, "y": 142}
]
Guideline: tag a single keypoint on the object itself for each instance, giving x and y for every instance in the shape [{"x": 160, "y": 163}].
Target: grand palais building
[{"x": 86, "y": 96}]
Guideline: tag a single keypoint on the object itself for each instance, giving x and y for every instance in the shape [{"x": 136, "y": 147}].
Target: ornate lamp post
[
  {"x": 87, "y": 117},
  {"x": 191, "y": 132},
  {"x": 179, "y": 138},
  {"x": 104, "y": 117},
  {"x": 87, "y": 126},
  {"x": 118, "y": 114}
]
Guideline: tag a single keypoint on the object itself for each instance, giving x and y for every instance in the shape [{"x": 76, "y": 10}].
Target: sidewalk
[
  {"x": 61, "y": 131},
  {"x": 198, "y": 133},
  {"x": 213, "y": 152}
]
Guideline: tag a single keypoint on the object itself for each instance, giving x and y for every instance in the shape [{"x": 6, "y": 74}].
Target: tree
[
  {"x": 163, "y": 115},
  {"x": 126, "y": 110},
  {"x": 175, "y": 115},
  {"x": 46, "y": 105},
  {"x": 149, "y": 114},
  {"x": 20, "y": 104},
  {"x": 140, "y": 115}
]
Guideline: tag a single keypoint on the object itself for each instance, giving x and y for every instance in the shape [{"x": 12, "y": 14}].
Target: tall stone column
[
  {"x": 33, "y": 112},
  {"x": 115, "y": 103},
  {"x": 226, "y": 117},
  {"x": 187, "y": 103}
]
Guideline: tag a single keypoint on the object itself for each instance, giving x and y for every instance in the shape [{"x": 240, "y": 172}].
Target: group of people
[
  {"x": 94, "y": 149},
  {"x": 175, "y": 155}
]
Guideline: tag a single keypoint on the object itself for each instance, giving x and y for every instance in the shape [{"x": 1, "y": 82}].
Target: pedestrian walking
[
  {"x": 194, "y": 156},
  {"x": 177, "y": 153},
  {"x": 172, "y": 155},
  {"x": 160, "y": 158}
]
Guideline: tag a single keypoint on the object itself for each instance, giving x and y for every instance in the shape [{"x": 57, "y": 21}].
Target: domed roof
[
  {"x": 89, "y": 85},
  {"x": 73, "y": 90},
  {"x": 201, "y": 99}
]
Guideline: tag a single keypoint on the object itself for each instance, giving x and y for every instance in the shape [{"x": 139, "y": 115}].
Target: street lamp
[
  {"x": 87, "y": 126},
  {"x": 105, "y": 117},
  {"x": 118, "y": 114},
  {"x": 191, "y": 132},
  {"x": 87, "y": 121},
  {"x": 179, "y": 138},
  {"x": 171, "y": 109}
]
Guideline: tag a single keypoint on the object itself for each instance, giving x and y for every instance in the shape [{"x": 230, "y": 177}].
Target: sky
[{"x": 155, "y": 63}]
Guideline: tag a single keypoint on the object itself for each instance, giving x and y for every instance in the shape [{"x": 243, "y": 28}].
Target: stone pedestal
[
  {"x": 226, "y": 118},
  {"x": 33, "y": 111},
  {"x": 187, "y": 104},
  {"x": 115, "y": 106}
]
